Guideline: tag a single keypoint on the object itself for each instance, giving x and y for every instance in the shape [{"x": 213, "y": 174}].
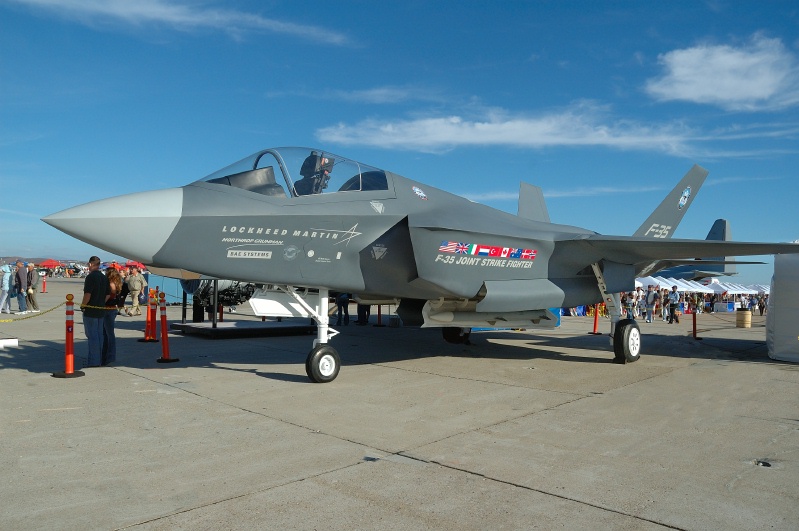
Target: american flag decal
[{"x": 448, "y": 247}]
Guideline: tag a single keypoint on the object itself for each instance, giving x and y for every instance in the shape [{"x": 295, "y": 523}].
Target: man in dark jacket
[{"x": 21, "y": 283}]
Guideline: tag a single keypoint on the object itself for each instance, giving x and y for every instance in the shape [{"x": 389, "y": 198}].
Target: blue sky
[{"x": 605, "y": 105}]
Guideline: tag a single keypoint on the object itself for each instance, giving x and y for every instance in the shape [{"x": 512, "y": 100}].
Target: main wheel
[
  {"x": 323, "y": 364},
  {"x": 627, "y": 341},
  {"x": 452, "y": 334}
]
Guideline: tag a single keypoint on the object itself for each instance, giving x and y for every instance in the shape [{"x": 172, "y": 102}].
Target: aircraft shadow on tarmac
[{"x": 365, "y": 347}]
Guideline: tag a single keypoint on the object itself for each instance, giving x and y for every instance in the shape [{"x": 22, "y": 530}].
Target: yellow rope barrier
[
  {"x": 32, "y": 316},
  {"x": 40, "y": 314}
]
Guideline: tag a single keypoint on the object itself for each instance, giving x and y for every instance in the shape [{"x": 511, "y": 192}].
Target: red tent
[
  {"x": 131, "y": 263},
  {"x": 50, "y": 264}
]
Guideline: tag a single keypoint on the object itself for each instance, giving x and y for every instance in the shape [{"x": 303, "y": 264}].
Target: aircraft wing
[{"x": 642, "y": 251}]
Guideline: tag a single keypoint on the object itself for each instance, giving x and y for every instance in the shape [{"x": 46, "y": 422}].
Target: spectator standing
[
  {"x": 136, "y": 285},
  {"x": 363, "y": 314},
  {"x": 640, "y": 309},
  {"x": 34, "y": 281},
  {"x": 6, "y": 282},
  {"x": 674, "y": 305},
  {"x": 95, "y": 292},
  {"x": 21, "y": 286},
  {"x": 114, "y": 299},
  {"x": 343, "y": 307},
  {"x": 121, "y": 297},
  {"x": 628, "y": 302},
  {"x": 651, "y": 298}
]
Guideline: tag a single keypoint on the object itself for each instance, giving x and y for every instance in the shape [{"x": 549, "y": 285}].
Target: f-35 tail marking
[{"x": 664, "y": 220}]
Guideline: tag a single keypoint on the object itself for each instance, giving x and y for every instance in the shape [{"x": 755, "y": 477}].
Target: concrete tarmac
[{"x": 519, "y": 430}]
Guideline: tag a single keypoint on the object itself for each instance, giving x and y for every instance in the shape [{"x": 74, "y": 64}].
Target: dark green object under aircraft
[{"x": 293, "y": 218}]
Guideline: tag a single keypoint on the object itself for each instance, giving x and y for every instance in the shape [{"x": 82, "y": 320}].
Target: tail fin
[
  {"x": 532, "y": 204},
  {"x": 720, "y": 231},
  {"x": 664, "y": 220}
]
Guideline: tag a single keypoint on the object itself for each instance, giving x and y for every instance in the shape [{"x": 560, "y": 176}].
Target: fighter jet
[{"x": 304, "y": 221}]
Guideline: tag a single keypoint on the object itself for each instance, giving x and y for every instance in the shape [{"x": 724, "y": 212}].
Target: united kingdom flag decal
[{"x": 418, "y": 191}]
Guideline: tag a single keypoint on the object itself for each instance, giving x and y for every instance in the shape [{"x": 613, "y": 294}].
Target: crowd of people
[
  {"x": 104, "y": 297},
  {"x": 20, "y": 281},
  {"x": 668, "y": 304}
]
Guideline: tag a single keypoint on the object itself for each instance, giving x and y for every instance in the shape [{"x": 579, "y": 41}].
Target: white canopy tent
[
  {"x": 761, "y": 289},
  {"x": 730, "y": 288},
  {"x": 689, "y": 286}
]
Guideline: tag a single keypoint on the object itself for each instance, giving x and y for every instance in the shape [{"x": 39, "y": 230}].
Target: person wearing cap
[
  {"x": 34, "y": 281},
  {"x": 674, "y": 305},
  {"x": 136, "y": 284}
]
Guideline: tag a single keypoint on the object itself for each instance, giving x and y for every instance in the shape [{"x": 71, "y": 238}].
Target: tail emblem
[{"x": 686, "y": 194}]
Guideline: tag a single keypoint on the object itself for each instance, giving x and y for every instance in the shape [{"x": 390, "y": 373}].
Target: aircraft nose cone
[{"x": 134, "y": 225}]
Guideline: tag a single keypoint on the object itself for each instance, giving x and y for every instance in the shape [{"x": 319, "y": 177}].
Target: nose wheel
[{"x": 323, "y": 364}]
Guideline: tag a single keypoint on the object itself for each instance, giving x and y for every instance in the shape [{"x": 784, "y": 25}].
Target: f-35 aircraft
[{"x": 293, "y": 218}]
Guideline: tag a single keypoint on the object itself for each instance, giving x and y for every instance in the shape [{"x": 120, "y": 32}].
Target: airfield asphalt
[{"x": 519, "y": 430}]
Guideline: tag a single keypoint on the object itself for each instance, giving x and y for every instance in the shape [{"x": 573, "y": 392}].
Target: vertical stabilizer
[
  {"x": 531, "y": 203},
  {"x": 720, "y": 231},
  {"x": 664, "y": 220}
]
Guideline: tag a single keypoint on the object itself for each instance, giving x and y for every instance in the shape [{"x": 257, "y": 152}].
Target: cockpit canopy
[{"x": 303, "y": 171}]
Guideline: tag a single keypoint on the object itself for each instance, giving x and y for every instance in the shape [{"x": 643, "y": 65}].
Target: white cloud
[
  {"x": 181, "y": 15},
  {"x": 376, "y": 95},
  {"x": 581, "y": 125},
  {"x": 761, "y": 75}
]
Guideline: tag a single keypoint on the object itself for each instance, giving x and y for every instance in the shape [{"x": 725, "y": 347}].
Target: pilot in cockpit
[{"x": 315, "y": 173}]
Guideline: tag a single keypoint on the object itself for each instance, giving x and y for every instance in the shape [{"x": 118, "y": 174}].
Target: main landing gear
[
  {"x": 625, "y": 334},
  {"x": 323, "y": 362}
]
